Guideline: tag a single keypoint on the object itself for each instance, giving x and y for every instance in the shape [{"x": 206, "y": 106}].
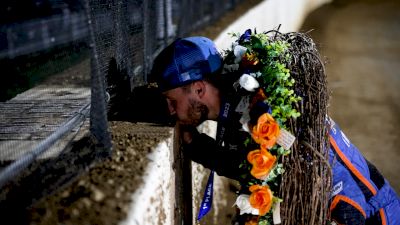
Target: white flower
[
  {"x": 248, "y": 82},
  {"x": 239, "y": 51},
  {"x": 243, "y": 203}
]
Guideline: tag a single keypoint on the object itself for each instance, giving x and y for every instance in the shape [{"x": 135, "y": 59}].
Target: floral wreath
[{"x": 262, "y": 62}]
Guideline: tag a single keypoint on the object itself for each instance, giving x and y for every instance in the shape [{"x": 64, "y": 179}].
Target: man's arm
[{"x": 205, "y": 151}]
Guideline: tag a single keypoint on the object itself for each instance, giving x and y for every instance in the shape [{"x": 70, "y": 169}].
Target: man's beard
[{"x": 197, "y": 113}]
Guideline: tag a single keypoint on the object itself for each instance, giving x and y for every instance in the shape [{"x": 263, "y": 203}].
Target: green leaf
[
  {"x": 247, "y": 141},
  {"x": 276, "y": 199},
  {"x": 256, "y": 42}
]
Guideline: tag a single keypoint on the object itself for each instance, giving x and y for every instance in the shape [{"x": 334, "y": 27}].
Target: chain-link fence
[{"x": 67, "y": 67}]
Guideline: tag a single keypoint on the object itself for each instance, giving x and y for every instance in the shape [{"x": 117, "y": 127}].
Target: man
[{"x": 188, "y": 72}]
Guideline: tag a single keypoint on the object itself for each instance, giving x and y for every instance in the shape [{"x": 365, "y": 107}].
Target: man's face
[{"x": 186, "y": 106}]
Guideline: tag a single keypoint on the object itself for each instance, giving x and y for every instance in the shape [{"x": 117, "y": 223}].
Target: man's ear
[{"x": 199, "y": 88}]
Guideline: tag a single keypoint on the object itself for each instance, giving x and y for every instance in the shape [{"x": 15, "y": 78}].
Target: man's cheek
[{"x": 180, "y": 117}]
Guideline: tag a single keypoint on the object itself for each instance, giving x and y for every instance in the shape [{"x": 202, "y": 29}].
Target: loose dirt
[{"x": 103, "y": 194}]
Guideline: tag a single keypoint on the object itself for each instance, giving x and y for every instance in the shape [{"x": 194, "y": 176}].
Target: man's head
[{"x": 182, "y": 71}]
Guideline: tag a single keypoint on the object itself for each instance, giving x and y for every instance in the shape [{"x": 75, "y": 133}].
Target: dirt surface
[
  {"x": 103, "y": 194},
  {"x": 361, "y": 42}
]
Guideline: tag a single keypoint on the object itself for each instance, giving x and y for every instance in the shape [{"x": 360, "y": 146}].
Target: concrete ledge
[{"x": 153, "y": 202}]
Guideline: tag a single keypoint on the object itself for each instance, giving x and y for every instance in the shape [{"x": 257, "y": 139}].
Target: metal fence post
[{"x": 98, "y": 109}]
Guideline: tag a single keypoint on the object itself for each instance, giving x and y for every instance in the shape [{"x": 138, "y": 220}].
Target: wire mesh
[{"x": 61, "y": 57}]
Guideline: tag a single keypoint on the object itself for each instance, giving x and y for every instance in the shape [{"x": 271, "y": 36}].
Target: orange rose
[
  {"x": 261, "y": 198},
  {"x": 262, "y": 161},
  {"x": 266, "y": 131}
]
